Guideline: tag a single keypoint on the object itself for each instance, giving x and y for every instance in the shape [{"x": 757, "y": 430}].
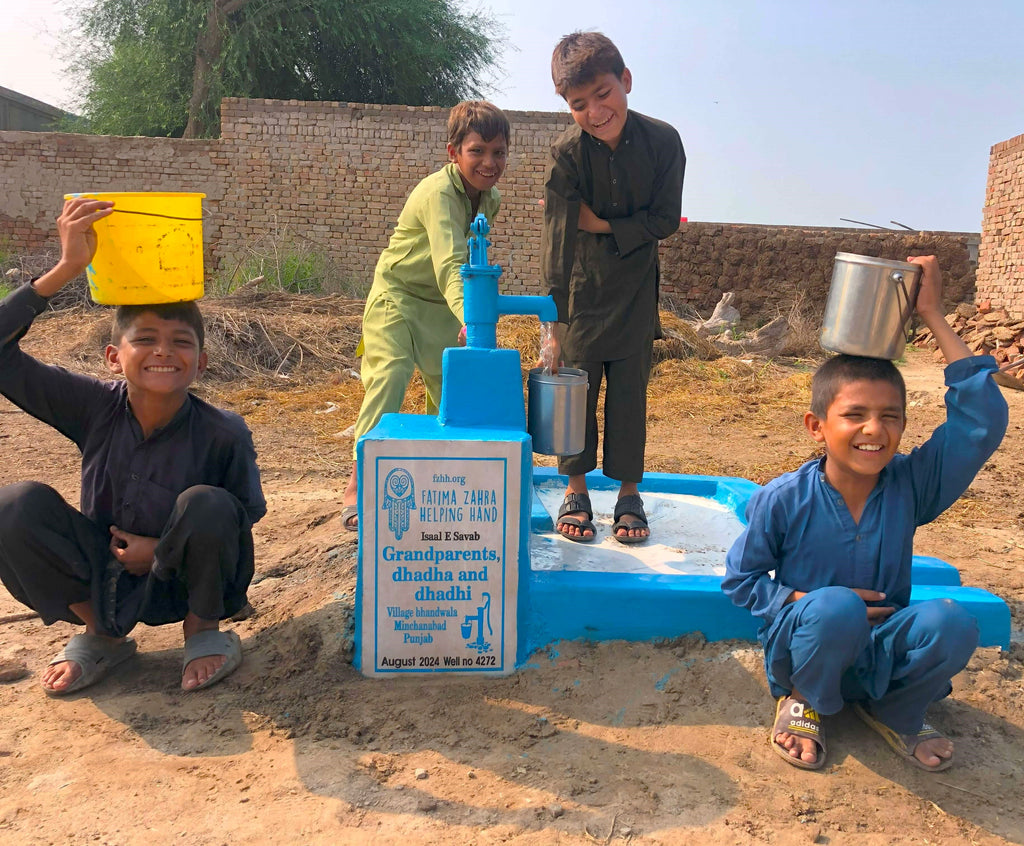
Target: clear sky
[{"x": 791, "y": 111}]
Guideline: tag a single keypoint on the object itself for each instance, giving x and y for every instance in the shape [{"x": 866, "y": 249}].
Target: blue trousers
[{"x": 823, "y": 646}]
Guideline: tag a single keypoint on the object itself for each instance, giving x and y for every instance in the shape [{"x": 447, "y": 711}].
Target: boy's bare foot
[
  {"x": 928, "y": 749},
  {"x": 60, "y": 676},
  {"x": 630, "y": 519},
  {"x": 201, "y": 670},
  {"x": 204, "y": 668},
  {"x": 575, "y": 517},
  {"x": 85, "y": 660},
  {"x": 798, "y": 747},
  {"x": 934, "y": 751},
  {"x": 797, "y": 734}
]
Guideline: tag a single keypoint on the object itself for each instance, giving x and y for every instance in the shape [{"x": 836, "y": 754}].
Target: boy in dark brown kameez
[{"x": 613, "y": 190}]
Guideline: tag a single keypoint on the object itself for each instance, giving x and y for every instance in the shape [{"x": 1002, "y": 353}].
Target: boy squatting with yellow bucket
[
  {"x": 414, "y": 309},
  {"x": 170, "y": 487}
]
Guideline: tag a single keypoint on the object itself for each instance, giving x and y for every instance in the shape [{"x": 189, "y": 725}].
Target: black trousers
[
  {"x": 52, "y": 556},
  {"x": 625, "y": 417}
]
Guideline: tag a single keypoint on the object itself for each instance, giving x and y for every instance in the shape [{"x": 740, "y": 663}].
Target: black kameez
[{"x": 606, "y": 286}]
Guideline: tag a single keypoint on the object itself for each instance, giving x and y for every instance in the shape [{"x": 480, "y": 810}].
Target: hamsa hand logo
[{"x": 399, "y": 500}]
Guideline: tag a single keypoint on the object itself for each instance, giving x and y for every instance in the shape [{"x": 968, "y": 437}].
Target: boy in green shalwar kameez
[{"x": 414, "y": 309}]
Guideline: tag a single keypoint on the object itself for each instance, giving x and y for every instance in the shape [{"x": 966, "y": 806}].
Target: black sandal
[
  {"x": 572, "y": 503},
  {"x": 630, "y": 504}
]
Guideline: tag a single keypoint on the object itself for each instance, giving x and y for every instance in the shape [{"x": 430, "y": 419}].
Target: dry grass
[
  {"x": 255, "y": 338},
  {"x": 680, "y": 341},
  {"x": 804, "y": 318},
  {"x": 279, "y": 355},
  {"x": 710, "y": 391}
]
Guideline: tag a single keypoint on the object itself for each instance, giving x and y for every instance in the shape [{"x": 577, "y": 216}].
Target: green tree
[{"x": 161, "y": 67}]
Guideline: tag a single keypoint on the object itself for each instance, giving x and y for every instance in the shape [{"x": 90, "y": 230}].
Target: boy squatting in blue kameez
[{"x": 838, "y": 534}]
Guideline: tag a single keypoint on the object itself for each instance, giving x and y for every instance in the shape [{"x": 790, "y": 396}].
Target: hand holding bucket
[
  {"x": 150, "y": 250},
  {"x": 869, "y": 304}
]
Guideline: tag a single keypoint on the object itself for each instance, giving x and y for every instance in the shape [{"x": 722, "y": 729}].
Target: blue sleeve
[
  {"x": 754, "y": 555},
  {"x": 944, "y": 466}
]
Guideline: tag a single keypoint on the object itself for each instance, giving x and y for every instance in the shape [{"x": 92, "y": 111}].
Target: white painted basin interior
[{"x": 690, "y": 536}]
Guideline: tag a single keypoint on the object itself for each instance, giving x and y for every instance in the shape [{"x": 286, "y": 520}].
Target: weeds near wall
[
  {"x": 16, "y": 269},
  {"x": 282, "y": 260},
  {"x": 804, "y": 317}
]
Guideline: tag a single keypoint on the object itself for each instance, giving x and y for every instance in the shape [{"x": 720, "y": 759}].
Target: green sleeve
[{"x": 444, "y": 220}]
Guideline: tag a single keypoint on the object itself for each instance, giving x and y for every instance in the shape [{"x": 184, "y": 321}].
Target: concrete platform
[{"x": 607, "y": 591}]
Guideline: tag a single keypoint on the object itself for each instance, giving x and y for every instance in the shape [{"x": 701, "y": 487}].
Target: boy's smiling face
[
  {"x": 157, "y": 355},
  {"x": 481, "y": 163},
  {"x": 861, "y": 430},
  {"x": 599, "y": 107}
]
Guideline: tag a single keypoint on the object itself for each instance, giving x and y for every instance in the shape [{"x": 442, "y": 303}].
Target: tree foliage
[{"x": 161, "y": 67}]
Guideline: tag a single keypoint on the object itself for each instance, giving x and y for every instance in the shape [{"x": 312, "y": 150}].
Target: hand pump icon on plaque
[{"x": 482, "y": 615}]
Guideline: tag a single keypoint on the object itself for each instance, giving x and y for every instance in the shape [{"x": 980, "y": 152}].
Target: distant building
[{"x": 25, "y": 113}]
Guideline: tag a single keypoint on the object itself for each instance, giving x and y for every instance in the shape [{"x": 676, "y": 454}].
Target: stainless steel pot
[
  {"x": 869, "y": 304},
  {"x": 557, "y": 411}
]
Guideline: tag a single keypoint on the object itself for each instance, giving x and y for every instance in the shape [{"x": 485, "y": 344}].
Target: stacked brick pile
[{"x": 984, "y": 329}]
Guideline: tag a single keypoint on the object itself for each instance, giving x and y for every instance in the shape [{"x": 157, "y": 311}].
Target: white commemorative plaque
[{"x": 440, "y": 553}]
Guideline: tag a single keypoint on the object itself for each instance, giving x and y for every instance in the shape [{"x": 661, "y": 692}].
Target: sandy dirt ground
[{"x": 591, "y": 743}]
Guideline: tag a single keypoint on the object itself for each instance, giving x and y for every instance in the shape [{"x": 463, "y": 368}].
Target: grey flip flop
[
  {"x": 213, "y": 642},
  {"x": 347, "y": 513},
  {"x": 95, "y": 655}
]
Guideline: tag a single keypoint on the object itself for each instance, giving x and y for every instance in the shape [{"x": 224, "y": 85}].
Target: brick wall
[
  {"x": 338, "y": 174},
  {"x": 38, "y": 168},
  {"x": 1001, "y": 254}
]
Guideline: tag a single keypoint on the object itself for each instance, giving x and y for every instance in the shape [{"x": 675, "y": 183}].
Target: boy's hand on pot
[{"x": 929, "y": 297}]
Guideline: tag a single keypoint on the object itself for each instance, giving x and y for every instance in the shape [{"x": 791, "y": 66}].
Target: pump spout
[{"x": 543, "y": 307}]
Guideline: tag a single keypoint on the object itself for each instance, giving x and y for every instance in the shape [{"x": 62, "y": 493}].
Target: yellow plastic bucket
[{"x": 150, "y": 250}]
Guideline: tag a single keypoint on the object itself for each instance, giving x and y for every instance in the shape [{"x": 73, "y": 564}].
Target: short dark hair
[
  {"x": 840, "y": 370},
  {"x": 582, "y": 57},
  {"x": 479, "y": 116},
  {"x": 187, "y": 312}
]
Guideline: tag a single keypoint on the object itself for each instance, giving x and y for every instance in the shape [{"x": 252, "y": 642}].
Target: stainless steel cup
[{"x": 557, "y": 411}]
